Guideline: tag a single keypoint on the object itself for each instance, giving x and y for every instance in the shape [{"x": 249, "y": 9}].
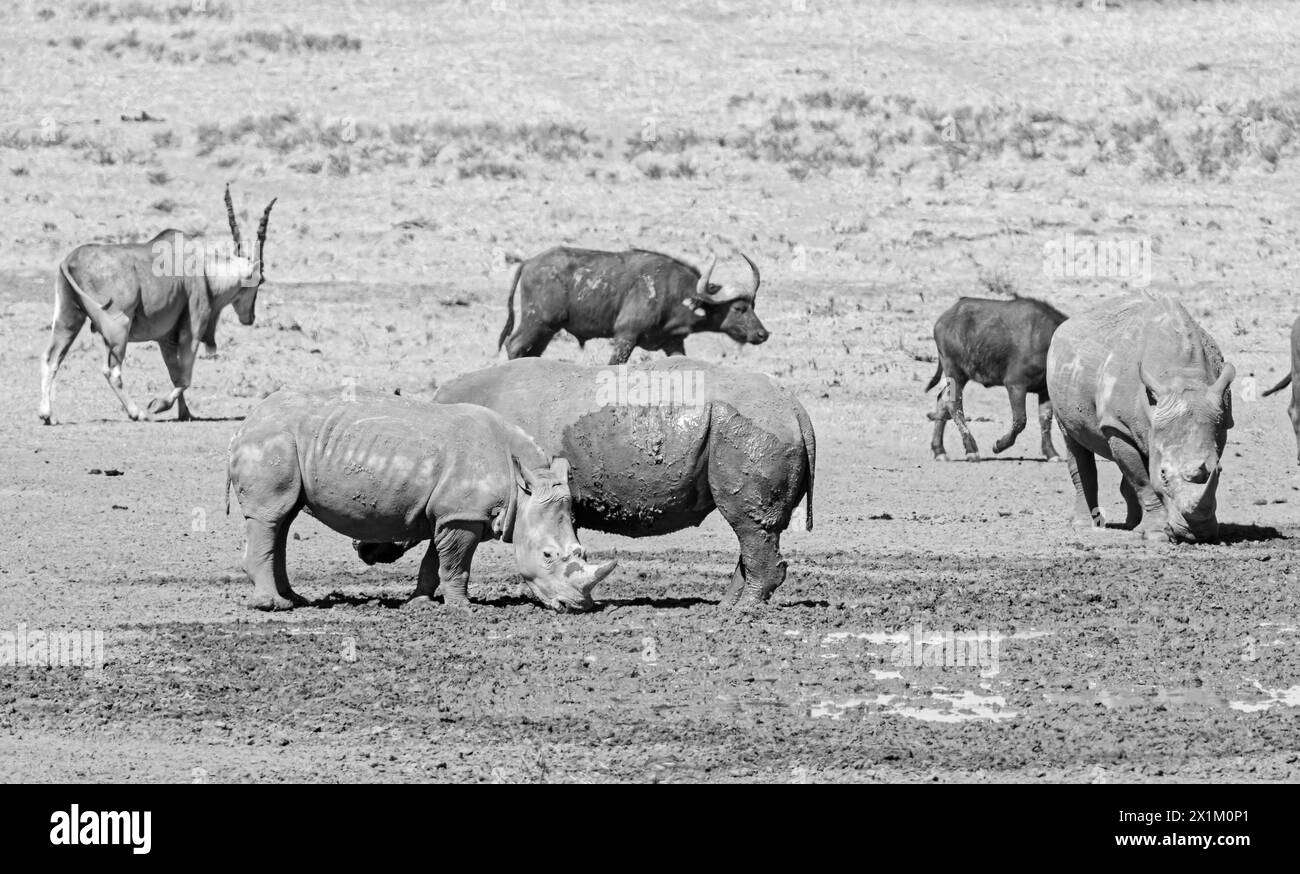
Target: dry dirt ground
[{"x": 875, "y": 163}]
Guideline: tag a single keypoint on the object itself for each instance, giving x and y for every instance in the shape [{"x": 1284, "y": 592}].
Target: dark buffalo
[
  {"x": 994, "y": 342},
  {"x": 1292, "y": 379},
  {"x": 639, "y": 298},
  {"x": 656, "y": 448}
]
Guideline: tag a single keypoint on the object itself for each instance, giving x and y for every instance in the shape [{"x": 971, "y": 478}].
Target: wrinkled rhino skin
[
  {"x": 379, "y": 468},
  {"x": 1139, "y": 382},
  {"x": 738, "y": 443}
]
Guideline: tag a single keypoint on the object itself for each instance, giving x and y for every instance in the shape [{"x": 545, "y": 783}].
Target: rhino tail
[
  {"x": 810, "y": 454},
  {"x": 1286, "y": 380},
  {"x": 510, "y": 299},
  {"x": 934, "y": 380},
  {"x": 227, "y": 490}
]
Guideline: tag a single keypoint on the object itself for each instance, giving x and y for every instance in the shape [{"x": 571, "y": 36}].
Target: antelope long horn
[
  {"x": 702, "y": 287},
  {"x": 266, "y": 217},
  {"x": 230, "y": 214},
  {"x": 753, "y": 268}
]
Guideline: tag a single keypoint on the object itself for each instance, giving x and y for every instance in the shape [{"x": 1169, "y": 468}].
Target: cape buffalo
[
  {"x": 1139, "y": 382},
  {"x": 1292, "y": 379},
  {"x": 382, "y": 468},
  {"x": 993, "y": 342},
  {"x": 640, "y": 298},
  {"x": 656, "y": 448}
]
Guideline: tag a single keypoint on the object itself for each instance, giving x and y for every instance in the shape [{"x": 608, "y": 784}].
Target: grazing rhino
[
  {"x": 993, "y": 342},
  {"x": 1139, "y": 382},
  {"x": 382, "y": 468},
  {"x": 1292, "y": 379},
  {"x": 656, "y": 448},
  {"x": 639, "y": 298}
]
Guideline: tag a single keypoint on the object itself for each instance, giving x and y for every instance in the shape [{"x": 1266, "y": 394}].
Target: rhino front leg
[
  {"x": 1045, "y": 427},
  {"x": 1131, "y": 502},
  {"x": 1016, "y": 394},
  {"x": 1083, "y": 473},
  {"x": 1154, "y": 518},
  {"x": 454, "y": 544}
]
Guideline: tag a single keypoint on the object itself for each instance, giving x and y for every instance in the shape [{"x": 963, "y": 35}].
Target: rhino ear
[
  {"x": 560, "y": 467},
  {"x": 1153, "y": 386},
  {"x": 524, "y": 478}
]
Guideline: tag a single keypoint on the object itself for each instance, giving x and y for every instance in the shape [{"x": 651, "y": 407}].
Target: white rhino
[
  {"x": 1139, "y": 382},
  {"x": 380, "y": 468}
]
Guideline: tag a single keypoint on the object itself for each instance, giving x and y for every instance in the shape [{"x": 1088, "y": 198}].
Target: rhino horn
[{"x": 596, "y": 574}]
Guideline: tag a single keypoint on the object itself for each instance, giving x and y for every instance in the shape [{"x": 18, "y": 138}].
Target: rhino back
[
  {"x": 636, "y": 468},
  {"x": 1094, "y": 360},
  {"x": 378, "y": 466}
]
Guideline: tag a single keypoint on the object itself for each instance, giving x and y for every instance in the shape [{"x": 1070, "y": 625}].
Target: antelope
[{"x": 166, "y": 289}]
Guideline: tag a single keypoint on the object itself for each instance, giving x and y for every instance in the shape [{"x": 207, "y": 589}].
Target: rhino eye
[{"x": 549, "y": 554}]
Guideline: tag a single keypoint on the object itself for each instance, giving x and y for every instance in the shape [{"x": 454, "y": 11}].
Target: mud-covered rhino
[
  {"x": 655, "y": 448},
  {"x": 380, "y": 468},
  {"x": 1139, "y": 382}
]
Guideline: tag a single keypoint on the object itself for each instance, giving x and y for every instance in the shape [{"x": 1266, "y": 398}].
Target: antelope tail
[
  {"x": 510, "y": 300},
  {"x": 91, "y": 305}
]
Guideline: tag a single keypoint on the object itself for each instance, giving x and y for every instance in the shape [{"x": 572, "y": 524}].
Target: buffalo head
[{"x": 727, "y": 309}]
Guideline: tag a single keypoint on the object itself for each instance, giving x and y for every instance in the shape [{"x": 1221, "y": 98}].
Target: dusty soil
[{"x": 1116, "y": 660}]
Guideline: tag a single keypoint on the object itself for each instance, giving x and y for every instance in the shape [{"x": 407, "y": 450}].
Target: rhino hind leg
[
  {"x": 266, "y": 563},
  {"x": 1016, "y": 395},
  {"x": 1083, "y": 473},
  {"x": 759, "y": 572}
]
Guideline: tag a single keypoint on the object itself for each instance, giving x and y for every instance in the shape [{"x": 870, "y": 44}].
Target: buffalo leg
[
  {"x": 940, "y": 417},
  {"x": 623, "y": 347},
  {"x": 675, "y": 346},
  {"x": 956, "y": 389},
  {"x": 1154, "y": 517},
  {"x": 530, "y": 341},
  {"x": 68, "y": 319},
  {"x": 1016, "y": 394},
  {"x": 1083, "y": 472},
  {"x": 455, "y": 543},
  {"x": 1045, "y": 426}
]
